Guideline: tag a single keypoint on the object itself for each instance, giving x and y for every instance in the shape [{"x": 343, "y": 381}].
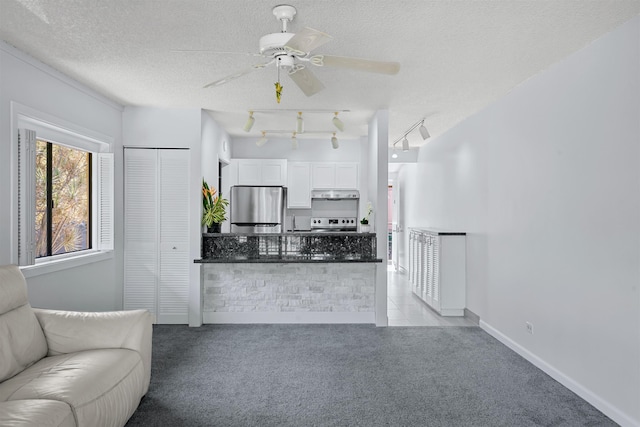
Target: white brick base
[{"x": 288, "y": 293}]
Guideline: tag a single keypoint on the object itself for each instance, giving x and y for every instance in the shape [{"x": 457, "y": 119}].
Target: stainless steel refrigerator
[{"x": 257, "y": 209}]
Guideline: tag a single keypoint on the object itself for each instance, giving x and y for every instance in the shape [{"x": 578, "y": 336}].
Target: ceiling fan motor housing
[{"x": 273, "y": 44}]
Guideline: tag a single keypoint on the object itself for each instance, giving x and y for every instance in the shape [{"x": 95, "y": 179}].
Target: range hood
[{"x": 335, "y": 195}]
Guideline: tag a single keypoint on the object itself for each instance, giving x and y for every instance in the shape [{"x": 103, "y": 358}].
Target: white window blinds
[{"x": 26, "y": 196}]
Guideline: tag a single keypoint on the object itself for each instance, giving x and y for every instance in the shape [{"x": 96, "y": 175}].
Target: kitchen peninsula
[{"x": 288, "y": 277}]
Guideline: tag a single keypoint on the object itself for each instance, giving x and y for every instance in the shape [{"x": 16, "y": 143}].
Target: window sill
[{"x": 65, "y": 263}]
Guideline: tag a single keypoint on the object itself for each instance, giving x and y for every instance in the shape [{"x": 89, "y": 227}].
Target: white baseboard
[
  {"x": 602, "y": 405},
  {"x": 288, "y": 317}
]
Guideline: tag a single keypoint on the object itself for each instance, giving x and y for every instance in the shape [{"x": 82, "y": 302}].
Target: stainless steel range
[
  {"x": 334, "y": 210},
  {"x": 334, "y": 224}
]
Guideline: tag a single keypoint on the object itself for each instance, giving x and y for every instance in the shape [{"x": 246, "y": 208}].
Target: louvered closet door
[
  {"x": 422, "y": 267},
  {"x": 435, "y": 259},
  {"x": 173, "y": 292},
  {"x": 156, "y": 233},
  {"x": 140, "y": 229},
  {"x": 428, "y": 295},
  {"x": 412, "y": 260}
]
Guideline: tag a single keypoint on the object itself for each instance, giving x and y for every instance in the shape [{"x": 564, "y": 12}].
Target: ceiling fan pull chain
[{"x": 278, "y": 85}]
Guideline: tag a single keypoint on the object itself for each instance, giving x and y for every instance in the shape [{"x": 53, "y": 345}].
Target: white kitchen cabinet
[
  {"x": 156, "y": 232},
  {"x": 437, "y": 269},
  {"x": 299, "y": 185},
  {"x": 330, "y": 175},
  {"x": 260, "y": 171}
]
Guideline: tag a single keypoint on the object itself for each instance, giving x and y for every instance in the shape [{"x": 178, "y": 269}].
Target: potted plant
[
  {"x": 364, "y": 222},
  {"x": 214, "y": 209}
]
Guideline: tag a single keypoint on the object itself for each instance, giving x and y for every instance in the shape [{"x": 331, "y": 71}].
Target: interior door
[
  {"x": 156, "y": 232},
  {"x": 140, "y": 229},
  {"x": 173, "y": 186}
]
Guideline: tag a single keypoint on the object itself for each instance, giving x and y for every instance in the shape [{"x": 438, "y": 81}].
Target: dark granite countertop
[
  {"x": 438, "y": 232},
  {"x": 290, "y": 247},
  {"x": 295, "y": 233},
  {"x": 292, "y": 260}
]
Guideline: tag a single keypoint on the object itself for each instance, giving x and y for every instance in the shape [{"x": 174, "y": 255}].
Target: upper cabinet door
[
  {"x": 323, "y": 175},
  {"x": 347, "y": 176},
  {"x": 249, "y": 171},
  {"x": 299, "y": 185},
  {"x": 261, "y": 171},
  {"x": 273, "y": 172},
  {"x": 329, "y": 175}
]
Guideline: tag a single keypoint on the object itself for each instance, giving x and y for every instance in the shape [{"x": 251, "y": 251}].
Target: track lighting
[
  {"x": 394, "y": 155},
  {"x": 405, "y": 144},
  {"x": 294, "y": 142},
  {"x": 262, "y": 140},
  {"x": 250, "y": 121},
  {"x": 423, "y": 131},
  {"x": 337, "y": 122},
  {"x": 334, "y": 141},
  {"x": 299, "y": 123}
]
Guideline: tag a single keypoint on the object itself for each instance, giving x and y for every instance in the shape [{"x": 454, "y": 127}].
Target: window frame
[
  {"x": 50, "y": 194},
  {"x": 59, "y": 131}
]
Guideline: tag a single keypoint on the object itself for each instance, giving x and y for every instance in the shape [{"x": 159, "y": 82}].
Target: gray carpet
[{"x": 349, "y": 375}]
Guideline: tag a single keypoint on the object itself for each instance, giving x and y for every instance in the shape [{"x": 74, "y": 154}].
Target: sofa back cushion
[{"x": 22, "y": 342}]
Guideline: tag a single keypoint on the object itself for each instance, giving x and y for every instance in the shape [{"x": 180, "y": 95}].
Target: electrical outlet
[{"x": 529, "y": 327}]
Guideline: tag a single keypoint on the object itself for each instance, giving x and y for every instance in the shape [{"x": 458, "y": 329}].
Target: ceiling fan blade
[
  {"x": 236, "y": 75},
  {"x": 306, "y": 80},
  {"x": 215, "y": 52},
  {"x": 307, "y": 40},
  {"x": 359, "y": 64}
]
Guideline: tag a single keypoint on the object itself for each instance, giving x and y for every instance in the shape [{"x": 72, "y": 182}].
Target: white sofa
[{"x": 62, "y": 368}]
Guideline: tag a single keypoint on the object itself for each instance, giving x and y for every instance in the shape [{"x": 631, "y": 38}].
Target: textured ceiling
[{"x": 456, "y": 56}]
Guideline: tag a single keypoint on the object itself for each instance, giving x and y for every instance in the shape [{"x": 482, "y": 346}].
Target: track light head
[
  {"x": 334, "y": 141},
  {"x": 424, "y": 132},
  {"x": 250, "y": 121},
  {"x": 299, "y": 123},
  {"x": 294, "y": 142},
  {"x": 262, "y": 140},
  {"x": 405, "y": 144},
  {"x": 337, "y": 122}
]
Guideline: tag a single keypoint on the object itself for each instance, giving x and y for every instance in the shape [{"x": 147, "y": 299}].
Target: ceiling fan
[{"x": 292, "y": 53}]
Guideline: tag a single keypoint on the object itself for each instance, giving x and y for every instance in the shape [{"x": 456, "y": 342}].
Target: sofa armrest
[{"x": 71, "y": 331}]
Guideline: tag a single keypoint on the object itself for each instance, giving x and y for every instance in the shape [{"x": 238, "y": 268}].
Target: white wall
[
  {"x": 547, "y": 183},
  {"x": 175, "y": 128},
  {"x": 309, "y": 150},
  {"x": 378, "y": 142},
  {"x": 95, "y": 286}
]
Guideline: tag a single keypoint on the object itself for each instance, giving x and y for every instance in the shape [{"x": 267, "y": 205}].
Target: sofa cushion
[
  {"x": 101, "y": 386},
  {"x": 36, "y": 413},
  {"x": 21, "y": 339}
]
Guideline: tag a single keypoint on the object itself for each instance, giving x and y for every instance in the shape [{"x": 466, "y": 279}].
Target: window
[
  {"x": 63, "y": 199},
  {"x": 65, "y": 192}
]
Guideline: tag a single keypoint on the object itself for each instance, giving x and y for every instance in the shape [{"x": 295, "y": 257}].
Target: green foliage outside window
[{"x": 63, "y": 199}]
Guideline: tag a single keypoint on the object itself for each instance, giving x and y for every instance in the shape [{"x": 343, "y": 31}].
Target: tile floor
[{"x": 406, "y": 309}]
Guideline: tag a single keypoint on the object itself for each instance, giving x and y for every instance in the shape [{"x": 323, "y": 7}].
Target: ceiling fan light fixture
[
  {"x": 299, "y": 123},
  {"x": 262, "y": 140},
  {"x": 424, "y": 132},
  {"x": 337, "y": 122},
  {"x": 405, "y": 144},
  {"x": 334, "y": 142},
  {"x": 250, "y": 121}
]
